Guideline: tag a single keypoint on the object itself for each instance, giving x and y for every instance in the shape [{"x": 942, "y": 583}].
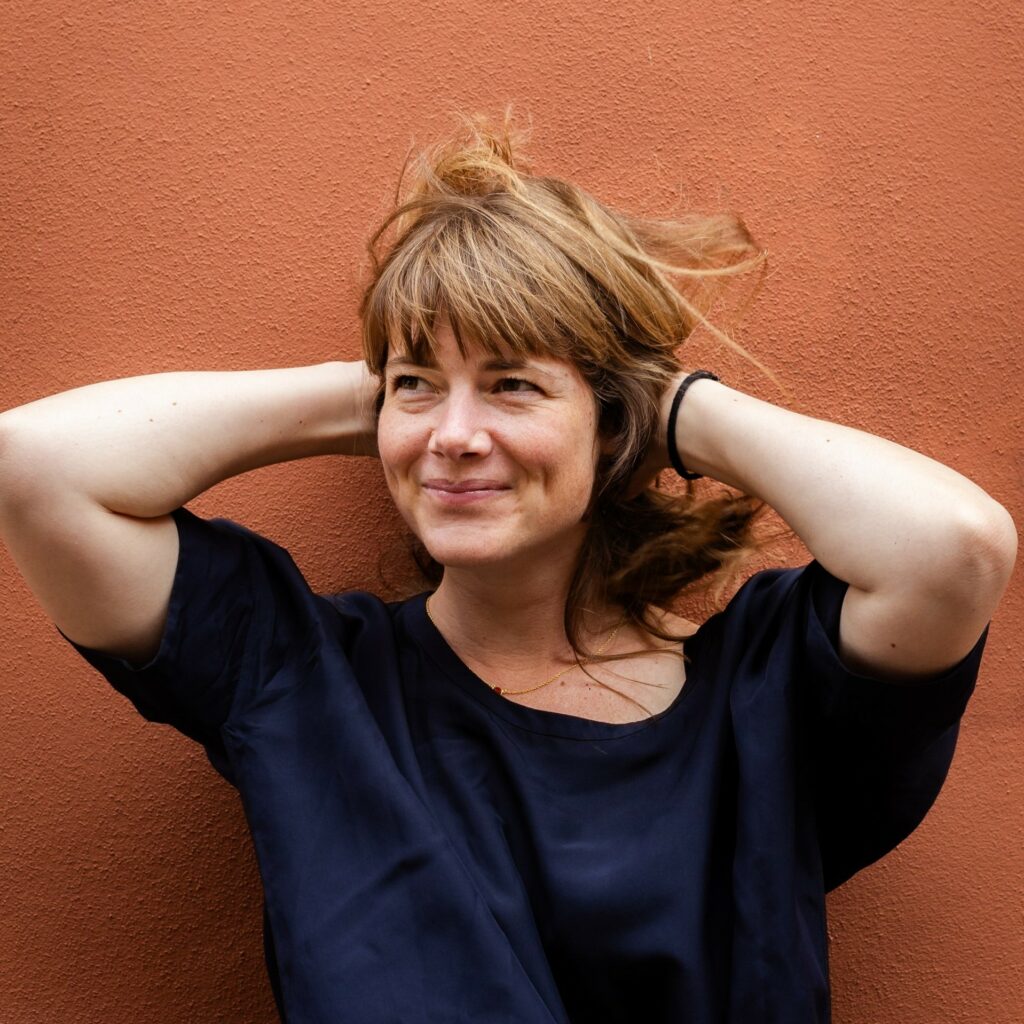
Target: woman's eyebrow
[
  {"x": 490, "y": 364},
  {"x": 403, "y": 361}
]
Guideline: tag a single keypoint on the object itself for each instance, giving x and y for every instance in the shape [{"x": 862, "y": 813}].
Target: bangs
[{"x": 502, "y": 285}]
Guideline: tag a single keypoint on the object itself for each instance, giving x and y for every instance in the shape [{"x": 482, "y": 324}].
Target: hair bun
[{"x": 486, "y": 157}]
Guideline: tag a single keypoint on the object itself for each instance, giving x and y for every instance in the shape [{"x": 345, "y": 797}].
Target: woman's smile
[
  {"x": 457, "y": 498},
  {"x": 463, "y": 492}
]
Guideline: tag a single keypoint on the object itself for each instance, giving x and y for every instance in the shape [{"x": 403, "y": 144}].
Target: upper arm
[
  {"x": 103, "y": 578},
  {"x": 925, "y": 627},
  {"x": 193, "y": 620}
]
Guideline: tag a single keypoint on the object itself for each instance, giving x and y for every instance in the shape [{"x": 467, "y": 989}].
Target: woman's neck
[{"x": 512, "y": 627}]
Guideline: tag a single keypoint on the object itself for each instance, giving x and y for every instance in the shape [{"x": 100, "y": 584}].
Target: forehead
[{"x": 448, "y": 356}]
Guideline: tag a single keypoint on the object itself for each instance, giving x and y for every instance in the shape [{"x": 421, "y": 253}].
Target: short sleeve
[
  {"x": 239, "y": 609},
  {"x": 871, "y": 754},
  {"x": 881, "y": 749}
]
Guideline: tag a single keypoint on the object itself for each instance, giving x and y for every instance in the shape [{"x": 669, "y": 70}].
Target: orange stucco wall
[{"x": 189, "y": 186}]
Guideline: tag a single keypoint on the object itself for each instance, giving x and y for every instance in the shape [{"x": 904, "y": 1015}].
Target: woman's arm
[
  {"x": 142, "y": 446},
  {"x": 927, "y": 553},
  {"x": 88, "y": 478}
]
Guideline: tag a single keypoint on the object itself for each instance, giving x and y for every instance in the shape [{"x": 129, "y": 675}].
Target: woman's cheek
[{"x": 393, "y": 444}]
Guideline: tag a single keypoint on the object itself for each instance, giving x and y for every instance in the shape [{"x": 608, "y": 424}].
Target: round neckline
[{"x": 550, "y": 723}]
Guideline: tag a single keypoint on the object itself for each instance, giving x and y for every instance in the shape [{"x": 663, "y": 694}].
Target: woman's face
[{"x": 524, "y": 438}]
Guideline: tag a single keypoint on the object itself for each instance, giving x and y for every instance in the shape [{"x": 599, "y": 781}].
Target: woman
[{"x": 529, "y": 792}]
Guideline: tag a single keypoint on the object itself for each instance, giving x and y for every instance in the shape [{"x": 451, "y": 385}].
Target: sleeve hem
[
  {"x": 182, "y": 517},
  {"x": 827, "y": 595}
]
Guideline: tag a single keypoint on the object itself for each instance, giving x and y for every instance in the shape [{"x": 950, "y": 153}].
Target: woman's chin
[
  {"x": 466, "y": 549},
  {"x": 475, "y": 542},
  {"x": 454, "y": 556}
]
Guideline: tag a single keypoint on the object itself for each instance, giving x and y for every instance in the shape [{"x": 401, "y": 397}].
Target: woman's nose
[{"x": 461, "y": 426}]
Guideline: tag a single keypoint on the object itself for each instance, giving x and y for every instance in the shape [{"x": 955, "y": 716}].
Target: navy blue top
[{"x": 432, "y": 852}]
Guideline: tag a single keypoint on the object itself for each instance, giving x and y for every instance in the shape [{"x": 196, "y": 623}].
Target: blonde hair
[{"x": 533, "y": 265}]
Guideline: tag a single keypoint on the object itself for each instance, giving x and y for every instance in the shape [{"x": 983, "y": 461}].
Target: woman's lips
[
  {"x": 463, "y": 497},
  {"x": 470, "y": 483}
]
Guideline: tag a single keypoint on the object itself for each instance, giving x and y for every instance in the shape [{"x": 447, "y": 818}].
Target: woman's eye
[
  {"x": 396, "y": 381},
  {"x": 518, "y": 380}
]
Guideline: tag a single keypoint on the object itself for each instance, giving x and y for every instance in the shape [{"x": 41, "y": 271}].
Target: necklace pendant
[{"x": 496, "y": 689}]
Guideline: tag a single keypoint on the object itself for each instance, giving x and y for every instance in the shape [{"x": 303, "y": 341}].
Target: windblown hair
[{"x": 535, "y": 266}]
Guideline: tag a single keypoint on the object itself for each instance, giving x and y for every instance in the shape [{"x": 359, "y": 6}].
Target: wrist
[
  {"x": 684, "y": 419},
  {"x": 357, "y": 425}
]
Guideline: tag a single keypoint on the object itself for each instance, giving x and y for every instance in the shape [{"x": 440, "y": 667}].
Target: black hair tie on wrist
[{"x": 673, "y": 454}]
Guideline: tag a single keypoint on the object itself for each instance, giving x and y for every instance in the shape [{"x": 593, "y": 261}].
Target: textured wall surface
[{"x": 190, "y": 185}]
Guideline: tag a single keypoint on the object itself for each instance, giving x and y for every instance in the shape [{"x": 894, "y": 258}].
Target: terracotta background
[{"x": 190, "y": 186}]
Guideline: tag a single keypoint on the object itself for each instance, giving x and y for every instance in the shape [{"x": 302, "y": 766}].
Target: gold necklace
[{"x": 584, "y": 661}]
